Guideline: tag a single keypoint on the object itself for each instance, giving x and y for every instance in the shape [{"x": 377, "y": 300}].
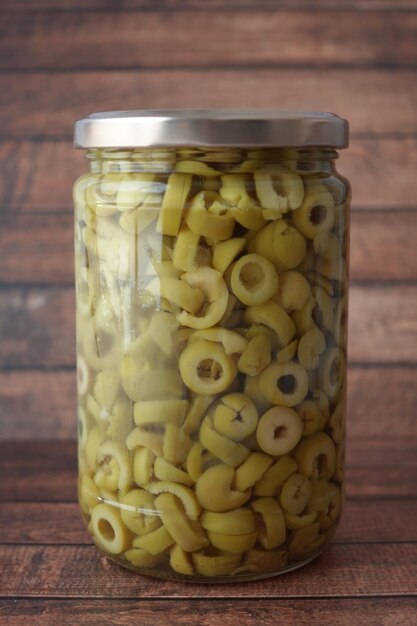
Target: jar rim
[{"x": 228, "y": 128}]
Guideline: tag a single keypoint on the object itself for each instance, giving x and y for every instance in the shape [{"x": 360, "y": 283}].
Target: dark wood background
[{"x": 62, "y": 60}]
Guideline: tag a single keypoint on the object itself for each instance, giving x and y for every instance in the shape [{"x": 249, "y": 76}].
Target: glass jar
[{"x": 211, "y": 256}]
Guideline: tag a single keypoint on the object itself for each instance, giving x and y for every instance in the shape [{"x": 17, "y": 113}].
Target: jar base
[{"x": 230, "y": 579}]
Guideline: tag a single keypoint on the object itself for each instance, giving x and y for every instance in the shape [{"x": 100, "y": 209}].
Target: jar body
[{"x": 211, "y": 357}]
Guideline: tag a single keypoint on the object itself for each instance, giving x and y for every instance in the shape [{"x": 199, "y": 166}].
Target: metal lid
[{"x": 211, "y": 127}]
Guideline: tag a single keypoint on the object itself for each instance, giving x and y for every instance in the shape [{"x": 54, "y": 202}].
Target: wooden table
[
  {"x": 52, "y": 575},
  {"x": 62, "y": 60}
]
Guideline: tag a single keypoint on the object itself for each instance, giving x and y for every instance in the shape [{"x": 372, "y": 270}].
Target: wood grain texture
[
  {"x": 155, "y": 39},
  {"x": 165, "y": 612},
  {"x": 39, "y": 248},
  {"x": 380, "y": 326},
  {"x": 37, "y": 405},
  {"x": 38, "y": 176},
  {"x": 79, "y": 571},
  {"x": 51, "y": 523},
  {"x": 381, "y": 172},
  {"x": 61, "y": 523},
  {"x": 384, "y": 480},
  {"x": 46, "y": 104},
  {"x": 24, "y": 483},
  {"x": 390, "y": 235},
  {"x": 382, "y": 404},
  {"x": 37, "y": 326},
  {"x": 59, "y": 485},
  {"x": 46, "y": 454},
  {"x": 337, "y": 612},
  {"x": 60, "y": 61},
  {"x": 214, "y": 5}
]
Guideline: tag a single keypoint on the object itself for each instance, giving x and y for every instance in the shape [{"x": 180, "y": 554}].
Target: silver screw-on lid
[{"x": 211, "y": 127}]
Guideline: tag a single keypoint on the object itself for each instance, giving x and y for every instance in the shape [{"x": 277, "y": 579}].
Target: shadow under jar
[{"x": 211, "y": 256}]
